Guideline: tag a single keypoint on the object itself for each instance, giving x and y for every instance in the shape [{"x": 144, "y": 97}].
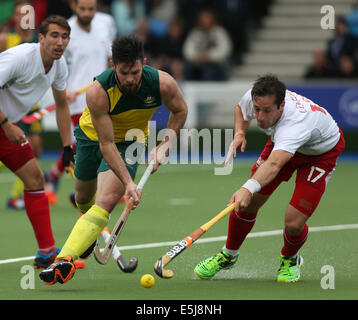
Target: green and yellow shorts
[{"x": 89, "y": 160}]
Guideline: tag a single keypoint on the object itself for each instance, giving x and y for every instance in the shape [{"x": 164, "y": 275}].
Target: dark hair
[
  {"x": 54, "y": 19},
  {"x": 127, "y": 49},
  {"x": 268, "y": 85}
]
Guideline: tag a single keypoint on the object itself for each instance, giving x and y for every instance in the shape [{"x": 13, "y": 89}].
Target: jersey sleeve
[
  {"x": 247, "y": 106},
  {"x": 60, "y": 82},
  {"x": 291, "y": 138}
]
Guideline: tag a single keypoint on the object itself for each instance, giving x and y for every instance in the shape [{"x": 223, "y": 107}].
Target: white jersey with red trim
[
  {"x": 304, "y": 126},
  {"x": 23, "y": 80},
  {"x": 87, "y": 54}
]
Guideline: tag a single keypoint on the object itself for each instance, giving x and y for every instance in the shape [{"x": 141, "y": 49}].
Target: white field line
[{"x": 211, "y": 239}]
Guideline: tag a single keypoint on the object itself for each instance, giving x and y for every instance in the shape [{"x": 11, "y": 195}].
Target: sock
[
  {"x": 240, "y": 225},
  {"x": 293, "y": 243},
  {"x": 86, "y": 230},
  {"x": 38, "y": 212},
  {"x": 17, "y": 188},
  {"x": 86, "y": 206}
]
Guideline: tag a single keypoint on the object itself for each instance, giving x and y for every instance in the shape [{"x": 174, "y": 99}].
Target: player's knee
[
  {"x": 34, "y": 180},
  {"x": 294, "y": 227},
  {"x": 82, "y": 197},
  {"x": 108, "y": 201}
]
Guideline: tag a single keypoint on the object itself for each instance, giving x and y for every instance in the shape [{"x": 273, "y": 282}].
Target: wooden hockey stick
[
  {"x": 186, "y": 243},
  {"x": 102, "y": 258}
]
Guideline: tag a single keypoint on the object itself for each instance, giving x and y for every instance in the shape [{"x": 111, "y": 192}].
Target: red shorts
[
  {"x": 313, "y": 174},
  {"x": 14, "y": 156},
  {"x": 76, "y": 119}
]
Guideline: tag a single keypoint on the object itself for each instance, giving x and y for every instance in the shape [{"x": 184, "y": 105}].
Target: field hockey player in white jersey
[
  {"x": 304, "y": 139},
  {"x": 87, "y": 55},
  {"x": 27, "y": 72}
]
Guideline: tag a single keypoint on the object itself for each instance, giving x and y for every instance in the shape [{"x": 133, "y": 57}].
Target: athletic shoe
[
  {"x": 209, "y": 267},
  {"x": 290, "y": 269},
  {"x": 60, "y": 271},
  {"x": 16, "y": 203},
  {"x": 42, "y": 261}
]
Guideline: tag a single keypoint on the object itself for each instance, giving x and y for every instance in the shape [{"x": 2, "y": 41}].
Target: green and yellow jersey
[{"x": 126, "y": 111}]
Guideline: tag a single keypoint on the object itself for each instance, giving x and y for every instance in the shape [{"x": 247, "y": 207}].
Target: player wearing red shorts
[
  {"x": 27, "y": 72},
  {"x": 304, "y": 138}
]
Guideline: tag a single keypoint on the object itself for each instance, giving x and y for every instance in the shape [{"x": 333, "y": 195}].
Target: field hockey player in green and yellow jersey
[{"x": 120, "y": 99}]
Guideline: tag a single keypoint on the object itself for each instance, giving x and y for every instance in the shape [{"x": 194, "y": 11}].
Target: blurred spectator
[
  {"x": 160, "y": 13},
  {"x": 352, "y": 21},
  {"x": 149, "y": 41},
  {"x": 169, "y": 56},
  {"x": 189, "y": 9},
  {"x": 348, "y": 68},
  {"x": 341, "y": 44},
  {"x": 320, "y": 67},
  {"x": 128, "y": 14},
  {"x": 17, "y": 35},
  {"x": 235, "y": 18},
  {"x": 207, "y": 50}
]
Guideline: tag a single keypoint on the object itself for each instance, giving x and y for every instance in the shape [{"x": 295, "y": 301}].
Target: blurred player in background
[
  {"x": 87, "y": 55},
  {"x": 27, "y": 72},
  {"x": 122, "y": 98},
  {"x": 304, "y": 138}
]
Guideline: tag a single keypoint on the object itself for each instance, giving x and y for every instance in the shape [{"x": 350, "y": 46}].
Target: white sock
[{"x": 233, "y": 253}]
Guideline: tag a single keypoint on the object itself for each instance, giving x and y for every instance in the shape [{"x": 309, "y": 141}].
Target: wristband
[
  {"x": 252, "y": 185},
  {"x": 4, "y": 121}
]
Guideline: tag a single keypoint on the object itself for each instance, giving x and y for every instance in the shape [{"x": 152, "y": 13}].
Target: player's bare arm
[
  {"x": 97, "y": 102},
  {"x": 241, "y": 125},
  {"x": 262, "y": 177},
  {"x": 63, "y": 117},
  {"x": 173, "y": 99}
]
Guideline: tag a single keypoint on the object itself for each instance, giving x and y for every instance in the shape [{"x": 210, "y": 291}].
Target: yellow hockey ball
[{"x": 147, "y": 281}]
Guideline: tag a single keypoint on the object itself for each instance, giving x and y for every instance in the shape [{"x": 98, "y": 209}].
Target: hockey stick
[
  {"x": 117, "y": 256},
  {"x": 102, "y": 258},
  {"x": 31, "y": 118},
  {"x": 41, "y": 113},
  {"x": 185, "y": 243}
]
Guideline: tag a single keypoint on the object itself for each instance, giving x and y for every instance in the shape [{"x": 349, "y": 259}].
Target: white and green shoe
[
  {"x": 290, "y": 268},
  {"x": 209, "y": 267}
]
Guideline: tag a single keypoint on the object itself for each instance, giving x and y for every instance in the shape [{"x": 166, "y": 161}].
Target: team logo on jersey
[{"x": 150, "y": 101}]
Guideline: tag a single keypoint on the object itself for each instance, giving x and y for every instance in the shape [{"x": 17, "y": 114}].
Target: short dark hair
[
  {"x": 127, "y": 49},
  {"x": 268, "y": 85},
  {"x": 54, "y": 19}
]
